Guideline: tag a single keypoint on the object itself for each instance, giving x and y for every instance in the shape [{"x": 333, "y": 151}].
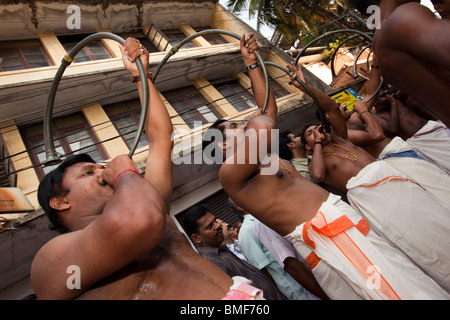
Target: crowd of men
[{"x": 358, "y": 207}]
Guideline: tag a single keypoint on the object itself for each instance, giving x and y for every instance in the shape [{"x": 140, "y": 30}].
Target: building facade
[{"x": 97, "y": 109}]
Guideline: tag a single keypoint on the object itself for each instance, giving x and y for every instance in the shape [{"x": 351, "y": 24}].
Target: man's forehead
[
  {"x": 79, "y": 166},
  {"x": 205, "y": 220}
]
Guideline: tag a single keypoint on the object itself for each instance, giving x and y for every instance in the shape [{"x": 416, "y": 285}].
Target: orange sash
[{"x": 336, "y": 232}]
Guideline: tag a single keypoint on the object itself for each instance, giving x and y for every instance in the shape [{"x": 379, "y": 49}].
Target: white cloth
[
  {"x": 433, "y": 143},
  {"x": 428, "y": 175},
  {"x": 404, "y": 213},
  {"x": 280, "y": 248},
  {"x": 354, "y": 262}
]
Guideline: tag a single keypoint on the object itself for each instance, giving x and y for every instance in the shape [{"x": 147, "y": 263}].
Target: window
[
  {"x": 24, "y": 54},
  {"x": 176, "y": 37},
  {"x": 213, "y": 38},
  {"x": 142, "y": 39},
  {"x": 237, "y": 95},
  {"x": 73, "y": 136},
  {"x": 192, "y": 106},
  {"x": 278, "y": 90},
  {"x": 94, "y": 50},
  {"x": 125, "y": 117}
]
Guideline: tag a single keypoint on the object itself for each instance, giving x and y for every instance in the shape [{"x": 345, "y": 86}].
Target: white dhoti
[
  {"x": 400, "y": 155},
  {"x": 404, "y": 213},
  {"x": 433, "y": 143},
  {"x": 351, "y": 262}
]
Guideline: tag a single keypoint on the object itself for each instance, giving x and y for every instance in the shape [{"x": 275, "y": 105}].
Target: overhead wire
[
  {"x": 184, "y": 73},
  {"x": 168, "y": 79},
  {"x": 164, "y": 79},
  {"x": 128, "y": 133}
]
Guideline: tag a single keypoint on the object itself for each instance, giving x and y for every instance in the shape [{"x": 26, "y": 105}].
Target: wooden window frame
[
  {"x": 212, "y": 35},
  {"x": 232, "y": 84},
  {"x": 135, "y": 116},
  {"x": 61, "y": 136},
  {"x": 19, "y": 46},
  {"x": 169, "y": 35},
  {"x": 188, "y": 105},
  {"x": 75, "y": 39}
]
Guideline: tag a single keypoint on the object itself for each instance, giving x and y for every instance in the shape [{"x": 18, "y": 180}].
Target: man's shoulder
[
  {"x": 261, "y": 122},
  {"x": 47, "y": 262},
  {"x": 52, "y": 252},
  {"x": 53, "y": 246},
  {"x": 411, "y": 7},
  {"x": 409, "y": 15}
]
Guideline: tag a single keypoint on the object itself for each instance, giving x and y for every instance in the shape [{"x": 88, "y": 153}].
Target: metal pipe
[
  {"x": 355, "y": 71},
  {"x": 326, "y": 34},
  {"x": 311, "y": 94},
  {"x": 210, "y": 31},
  {"x": 50, "y": 152},
  {"x": 329, "y": 33},
  {"x": 332, "y": 67}
]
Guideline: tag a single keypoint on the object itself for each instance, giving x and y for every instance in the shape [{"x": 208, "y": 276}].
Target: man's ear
[
  {"x": 291, "y": 145},
  {"x": 59, "y": 203},
  {"x": 196, "y": 238},
  {"x": 222, "y": 144}
]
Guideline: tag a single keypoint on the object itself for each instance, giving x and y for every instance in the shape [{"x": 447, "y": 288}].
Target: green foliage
[{"x": 299, "y": 19}]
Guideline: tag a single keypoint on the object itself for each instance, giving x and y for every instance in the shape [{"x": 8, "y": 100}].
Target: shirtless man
[
  {"x": 397, "y": 119},
  {"x": 428, "y": 138},
  {"x": 120, "y": 235},
  {"x": 384, "y": 195},
  {"x": 413, "y": 50},
  {"x": 293, "y": 206}
]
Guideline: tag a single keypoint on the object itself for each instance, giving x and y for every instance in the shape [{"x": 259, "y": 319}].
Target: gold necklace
[
  {"x": 355, "y": 157},
  {"x": 284, "y": 166}
]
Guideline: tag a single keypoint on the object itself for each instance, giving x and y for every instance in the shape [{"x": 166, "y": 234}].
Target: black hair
[
  {"x": 436, "y": 1},
  {"x": 205, "y": 143},
  {"x": 285, "y": 152},
  {"x": 302, "y": 133},
  {"x": 51, "y": 186},
  {"x": 191, "y": 217}
]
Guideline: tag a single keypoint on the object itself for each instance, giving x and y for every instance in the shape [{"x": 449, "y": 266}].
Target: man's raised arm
[
  {"x": 336, "y": 119},
  {"x": 158, "y": 127},
  {"x": 256, "y": 76}
]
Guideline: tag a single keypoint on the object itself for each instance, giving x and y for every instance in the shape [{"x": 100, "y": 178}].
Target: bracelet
[
  {"x": 363, "y": 112},
  {"x": 135, "y": 79},
  {"x": 114, "y": 181},
  {"x": 253, "y": 66},
  {"x": 318, "y": 142}
]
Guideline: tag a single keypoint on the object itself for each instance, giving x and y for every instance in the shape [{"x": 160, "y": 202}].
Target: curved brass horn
[{"x": 209, "y": 31}]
